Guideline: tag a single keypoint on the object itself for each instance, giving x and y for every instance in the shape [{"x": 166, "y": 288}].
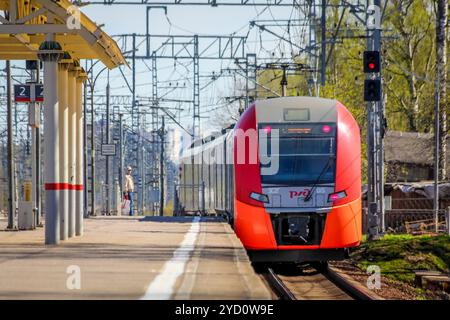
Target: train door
[
  {"x": 205, "y": 171},
  {"x": 230, "y": 164},
  {"x": 225, "y": 172},
  {"x": 216, "y": 183},
  {"x": 181, "y": 189},
  {"x": 188, "y": 176},
  {"x": 213, "y": 179},
  {"x": 191, "y": 185},
  {"x": 221, "y": 179},
  {"x": 196, "y": 188}
]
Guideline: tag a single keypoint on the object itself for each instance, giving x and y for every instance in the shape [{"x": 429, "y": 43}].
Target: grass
[{"x": 399, "y": 255}]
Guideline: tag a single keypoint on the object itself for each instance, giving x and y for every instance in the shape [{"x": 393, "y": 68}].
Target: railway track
[
  {"x": 312, "y": 284},
  {"x": 278, "y": 286}
]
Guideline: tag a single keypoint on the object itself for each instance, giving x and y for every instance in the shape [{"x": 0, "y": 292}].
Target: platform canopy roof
[{"x": 25, "y": 23}]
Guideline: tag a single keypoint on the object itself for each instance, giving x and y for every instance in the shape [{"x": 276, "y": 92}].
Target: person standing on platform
[{"x": 129, "y": 188}]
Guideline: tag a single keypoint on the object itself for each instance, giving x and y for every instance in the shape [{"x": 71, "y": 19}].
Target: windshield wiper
[
  {"x": 276, "y": 185},
  {"x": 313, "y": 188},
  {"x": 293, "y": 184}
]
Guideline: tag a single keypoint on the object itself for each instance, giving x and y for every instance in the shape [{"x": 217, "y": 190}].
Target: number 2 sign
[
  {"x": 22, "y": 93},
  {"x": 28, "y": 92}
]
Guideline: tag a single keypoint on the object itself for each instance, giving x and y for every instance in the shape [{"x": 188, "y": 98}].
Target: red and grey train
[{"x": 299, "y": 198}]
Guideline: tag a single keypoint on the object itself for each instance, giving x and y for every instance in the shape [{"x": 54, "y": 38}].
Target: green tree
[{"x": 409, "y": 64}]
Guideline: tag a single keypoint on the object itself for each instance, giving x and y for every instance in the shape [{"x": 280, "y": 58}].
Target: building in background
[{"x": 409, "y": 156}]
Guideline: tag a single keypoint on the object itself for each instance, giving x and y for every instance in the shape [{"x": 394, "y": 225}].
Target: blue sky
[
  {"x": 197, "y": 19},
  {"x": 188, "y": 20},
  {"x": 202, "y": 20}
]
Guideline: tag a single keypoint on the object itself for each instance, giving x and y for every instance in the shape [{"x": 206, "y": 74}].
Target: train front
[{"x": 299, "y": 197}]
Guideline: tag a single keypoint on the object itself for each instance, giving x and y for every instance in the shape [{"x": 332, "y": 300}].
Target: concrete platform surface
[{"x": 130, "y": 258}]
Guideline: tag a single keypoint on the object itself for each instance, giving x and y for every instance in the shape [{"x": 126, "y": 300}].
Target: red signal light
[
  {"x": 371, "y": 61},
  {"x": 326, "y": 129}
]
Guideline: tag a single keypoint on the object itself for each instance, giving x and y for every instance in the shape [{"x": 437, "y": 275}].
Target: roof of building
[{"x": 411, "y": 147}]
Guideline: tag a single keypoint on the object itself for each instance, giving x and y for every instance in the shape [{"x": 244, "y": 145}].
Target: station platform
[{"x": 130, "y": 258}]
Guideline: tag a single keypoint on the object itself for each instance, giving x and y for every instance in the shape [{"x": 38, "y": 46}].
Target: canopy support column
[
  {"x": 79, "y": 171},
  {"x": 50, "y": 53},
  {"x": 72, "y": 149},
  {"x": 63, "y": 149}
]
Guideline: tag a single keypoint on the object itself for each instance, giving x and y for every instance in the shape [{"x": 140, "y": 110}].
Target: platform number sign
[
  {"x": 22, "y": 93},
  {"x": 29, "y": 92},
  {"x": 39, "y": 92}
]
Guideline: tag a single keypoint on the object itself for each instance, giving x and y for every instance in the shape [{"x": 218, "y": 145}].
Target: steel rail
[
  {"x": 342, "y": 283},
  {"x": 278, "y": 286},
  {"x": 345, "y": 285}
]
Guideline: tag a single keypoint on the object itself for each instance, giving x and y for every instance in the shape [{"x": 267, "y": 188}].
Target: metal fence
[
  {"x": 404, "y": 210},
  {"x": 402, "y": 220},
  {"x": 417, "y": 203}
]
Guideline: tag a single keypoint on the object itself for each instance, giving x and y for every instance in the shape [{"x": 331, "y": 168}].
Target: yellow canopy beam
[{"x": 29, "y": 21}]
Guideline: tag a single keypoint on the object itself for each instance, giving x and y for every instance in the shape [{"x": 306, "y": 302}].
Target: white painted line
[{"x": 161, "y": 288}]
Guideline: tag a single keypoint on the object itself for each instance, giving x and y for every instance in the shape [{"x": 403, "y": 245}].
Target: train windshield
[{"x": 306, "y": 154}]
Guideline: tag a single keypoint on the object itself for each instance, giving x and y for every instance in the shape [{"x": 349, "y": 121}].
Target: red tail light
[
  {"x": 326, "y": 129},
  {"x": 336, "y": 196}
]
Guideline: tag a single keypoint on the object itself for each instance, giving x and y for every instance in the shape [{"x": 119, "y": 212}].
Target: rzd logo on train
[{"x": 297, "y": 194}]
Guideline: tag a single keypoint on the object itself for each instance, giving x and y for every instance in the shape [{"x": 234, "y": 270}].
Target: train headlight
[
  {"x": 259, "y": 197},
  {"x": 336, "y": 196}
]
